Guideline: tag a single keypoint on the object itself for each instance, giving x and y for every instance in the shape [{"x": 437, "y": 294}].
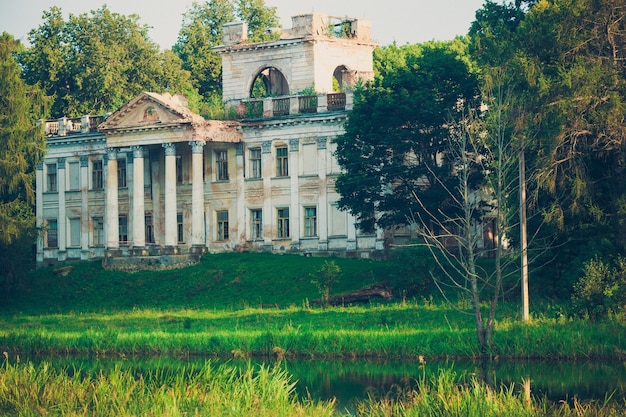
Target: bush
[
  {"x": 325, "y": 277},
  {"x": 602, "y": 288}
]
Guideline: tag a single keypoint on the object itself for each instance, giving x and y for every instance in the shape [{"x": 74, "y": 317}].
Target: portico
[{"x": 165, "y": 145}]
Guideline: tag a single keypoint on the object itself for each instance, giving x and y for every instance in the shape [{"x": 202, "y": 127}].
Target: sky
[{"x": 400, "y": 21}]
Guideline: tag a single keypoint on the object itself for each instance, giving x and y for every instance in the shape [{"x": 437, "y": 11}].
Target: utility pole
[{"x": 523, "y": 234}]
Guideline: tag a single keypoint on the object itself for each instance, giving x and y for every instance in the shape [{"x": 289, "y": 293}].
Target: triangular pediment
[{"x": 151, "y": 110}]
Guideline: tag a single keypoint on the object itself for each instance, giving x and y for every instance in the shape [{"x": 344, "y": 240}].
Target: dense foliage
[
  {"x": 94, "y": 63},
  {"x": 202, "y": 30},
  {"x": 21, "y": 149},
  {"x": 396, "y": 135}
]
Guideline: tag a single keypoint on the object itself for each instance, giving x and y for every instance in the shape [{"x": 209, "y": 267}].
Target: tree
[
  {"x": 396, "y": 135},
  {"x": 202, "y": 30},
  {"x": 22, "y": 146},
  {"x": 566, "y": 58},
  {"x": 493, "y": 45},
  {"x": 94, "y": 63},
  {"x": 415, "y": 153},
  {"x": 325, "y": 278}
]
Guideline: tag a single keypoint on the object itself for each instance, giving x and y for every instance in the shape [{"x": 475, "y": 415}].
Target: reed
[
  {"x": 226, "y": 390},
  {"x": 222, "y": 390},
  {"x": 447, "y": 394}
]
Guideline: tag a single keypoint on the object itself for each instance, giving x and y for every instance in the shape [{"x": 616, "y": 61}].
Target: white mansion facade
[{"x": 156, "y": 181}]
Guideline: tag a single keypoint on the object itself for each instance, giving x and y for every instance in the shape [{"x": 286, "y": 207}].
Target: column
[
  {"x": 241, "y": 194},
  {"x": 84, "y": 206},
  {"x": 112, "y": 203},
  {"x": 322, "y": 215},
  {"x": 139, "y": 216},
  {"x": 351, "y": 243},
  {"x": 39, "y": 186},
  {"x": 266, "y": 173},
  {"x": 197, "y": 193},
  {"x": 294, "y": 209},
  {"x": 62, "y": 223},
  {"x": 171, "y": 237}
]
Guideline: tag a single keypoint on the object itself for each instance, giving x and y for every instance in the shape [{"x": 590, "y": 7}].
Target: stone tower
[{"x": 319, "y": 54}]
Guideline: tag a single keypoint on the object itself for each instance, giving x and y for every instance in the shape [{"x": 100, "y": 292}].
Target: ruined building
[{"x": 155, "y": 184}]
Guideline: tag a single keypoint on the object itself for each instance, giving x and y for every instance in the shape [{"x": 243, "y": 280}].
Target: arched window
[
  {"x": 269, "y": 82},
  {"x": 340, "y": 79}
]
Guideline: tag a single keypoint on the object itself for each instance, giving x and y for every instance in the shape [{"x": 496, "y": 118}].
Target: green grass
[
  {"x": 225, "y": 390},
  {"x": 224, "y": 281},
  {"x": 407, "y": 330},
  {"x": 27, "y": 390},
  {"x": 242, "y": 304}
]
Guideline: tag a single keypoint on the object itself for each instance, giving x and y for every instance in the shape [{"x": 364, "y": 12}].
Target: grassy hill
[{"x": 219, "y": 281}]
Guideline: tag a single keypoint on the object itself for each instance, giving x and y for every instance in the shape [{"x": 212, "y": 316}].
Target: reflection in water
[
  {"x": 560, "y": 381},
  {"x": 348, "y": 381}
]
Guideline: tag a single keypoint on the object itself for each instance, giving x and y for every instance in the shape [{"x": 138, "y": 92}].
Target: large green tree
[
  {"x": 95, "y": 62},
  {"x": 564, "y": 60},
  {"x": 202, "y": 30},
  {"x": 398, "y": 134},
  {"x": 21, "y": 149}
]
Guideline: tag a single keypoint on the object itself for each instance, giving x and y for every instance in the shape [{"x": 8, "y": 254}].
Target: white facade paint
[{"x": 156, "y": 179}]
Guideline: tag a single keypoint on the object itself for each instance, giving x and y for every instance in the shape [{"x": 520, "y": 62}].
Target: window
[
  {"x": 282, "y": 222},
  {"x": 74, "y": 171},
  {"x": 75, "y": 232},
  {"x": 123, "y": 230},
  {"x": 98, "y": 231},
  {"x": 310, "y": 221},
  {"x": 96, "y": 173},
  {"x": 221, "y": 161},
  {"x": 179, "y": 227},
  {"x": 222, "y": 225},
  {"x": 52, "y": 234},
  {"x": 179, "y": 169},
  {"x": 121, "y": 173},
  {"x": 52, "y": 177},
  {"x": 149, "y": 229},
  {"x": 255, "y": 163},
  {"x": 256, "y": 228},
  {"x": 282, "y": 162}
]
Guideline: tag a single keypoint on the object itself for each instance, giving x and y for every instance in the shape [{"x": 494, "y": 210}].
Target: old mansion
[{"x": 154, "y": 182}]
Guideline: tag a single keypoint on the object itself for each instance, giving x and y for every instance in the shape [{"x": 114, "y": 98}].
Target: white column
[
  {"x": 322, "y": 215},
  {"x": 294, "y": 209},
  {"x": 62, "y": 223},
  {"x": 241, "y": 194},
  {"x": 39, "y": 184},
  {"x": 266, "y": 173},
  {"x": 197, "y": 193},
  {"x": 84, "y": 206},
  {"x": 139, "y": 219},
  {"x": 112, "y": 203},
  {"x": 351, "y": 244},
  {"x": 171, "y": 237}
]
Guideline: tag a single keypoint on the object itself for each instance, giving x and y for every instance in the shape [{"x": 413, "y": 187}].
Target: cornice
[
  {"x": 85, "y": 138},
  {"x": 336, "y": 118}
]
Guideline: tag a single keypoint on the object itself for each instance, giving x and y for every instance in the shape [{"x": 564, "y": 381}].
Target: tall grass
[
  {"x": 448, "y": 395},
  {"x": 224, "y": 390},
  {"x": 208, "y": 391}
]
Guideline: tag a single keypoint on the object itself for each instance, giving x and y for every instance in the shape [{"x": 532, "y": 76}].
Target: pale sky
[{"x": 402, "y": 21}]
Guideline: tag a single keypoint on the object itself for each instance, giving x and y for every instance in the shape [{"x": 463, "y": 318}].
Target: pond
[{"x": 348, "y": 381}]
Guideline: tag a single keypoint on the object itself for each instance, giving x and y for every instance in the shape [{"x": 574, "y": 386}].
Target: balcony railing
[
  {"x": 307, "y": 104},
  {"x": 283, "y": 106},
  {"x": 336, "y": 101},
  {"x": 67, "y": 126}
]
